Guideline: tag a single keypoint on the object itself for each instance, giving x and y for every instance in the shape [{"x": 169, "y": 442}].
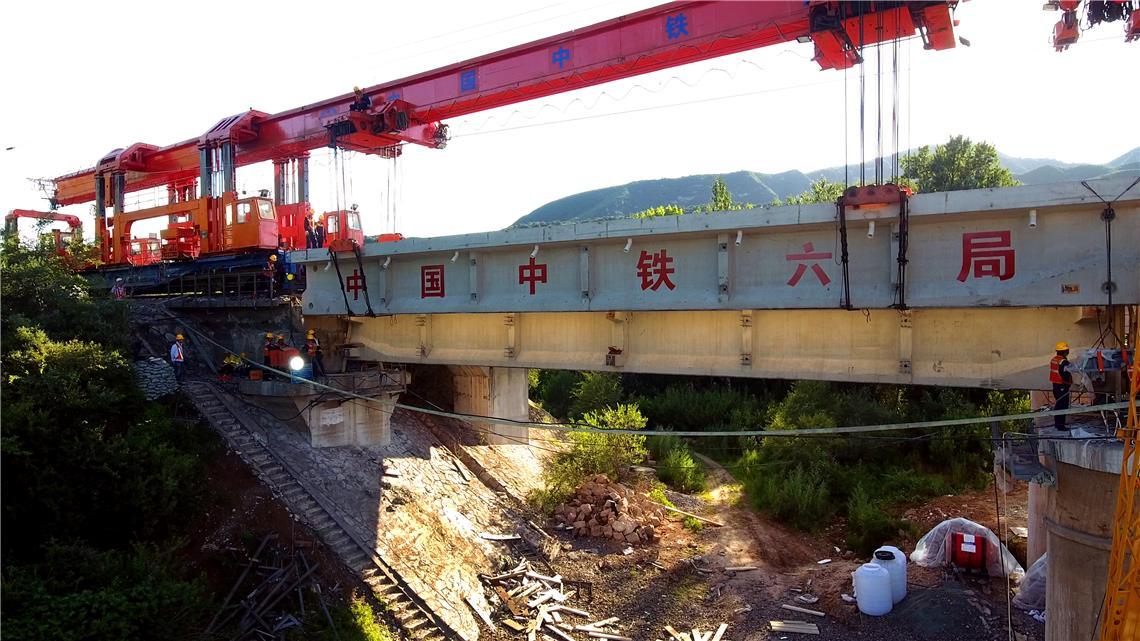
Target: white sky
[{"x": 83, "y": 78}]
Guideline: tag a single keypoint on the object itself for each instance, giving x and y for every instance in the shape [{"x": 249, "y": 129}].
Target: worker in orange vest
[
  {"x": 316, "y": 355},
  {"x": 1062, "y": 380}
]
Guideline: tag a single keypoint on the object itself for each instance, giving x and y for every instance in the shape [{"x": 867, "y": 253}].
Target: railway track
[{"x": 243, "y": 435}]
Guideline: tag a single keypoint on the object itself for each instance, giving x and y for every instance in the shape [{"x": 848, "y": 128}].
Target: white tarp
[{"x": 933, "y": 548}]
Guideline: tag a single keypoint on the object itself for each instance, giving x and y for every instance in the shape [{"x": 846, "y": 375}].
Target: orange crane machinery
[
  {"x": 1068, "y": 29},
  {"x": 60, "y": 238},
  {"x": 1120, "y": 618},
  {"x": 199, "y": 173}
]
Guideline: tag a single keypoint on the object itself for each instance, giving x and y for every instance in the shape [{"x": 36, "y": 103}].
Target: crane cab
[
  {"x": 342, "y": 229},
  {"x": 250, "y": 223}
]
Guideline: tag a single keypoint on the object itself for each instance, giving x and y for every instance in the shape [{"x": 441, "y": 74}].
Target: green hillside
[{"x": 760, "y": 189}]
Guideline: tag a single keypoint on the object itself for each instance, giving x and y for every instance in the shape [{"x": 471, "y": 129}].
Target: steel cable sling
[
  {"x": 340, "y": 281},
  {"x": 363, "y": 279}
]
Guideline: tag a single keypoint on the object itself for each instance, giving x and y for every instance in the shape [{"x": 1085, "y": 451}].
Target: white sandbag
[
  {"x": 1031, "y": 592},
  {"x": 933, "y": 548}
]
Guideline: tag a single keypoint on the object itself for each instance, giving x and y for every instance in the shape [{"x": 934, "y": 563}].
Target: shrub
[
  {"x": 868, "y": 525},
  {"x": 800, "y": 498},
  {"x": 681, "y": 472},
  {"x": 80, "y": 593},
  {"x": 594, "y": 453},
  {"x": 555, "y": 390},
  {"x": 596, "y": 391}
]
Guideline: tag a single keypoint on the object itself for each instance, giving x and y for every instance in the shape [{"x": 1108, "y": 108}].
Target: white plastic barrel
[
  {"x": 872, "y": 589},
  {"x": 896, "y": 566}
]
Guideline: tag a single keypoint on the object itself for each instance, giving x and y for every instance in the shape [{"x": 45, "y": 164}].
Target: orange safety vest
[{"x": 1055, "y": 370}]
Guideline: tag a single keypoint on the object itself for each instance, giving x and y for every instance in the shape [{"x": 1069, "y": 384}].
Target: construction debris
[
  {"x": 538, "y": 605},
  {"x": 274, "y": 584},
  {"x": 603, "y": 508},
  {"x": 796, "y": 608},
  {"x": 799, "y": 627},
  {"x": 697, "y": 635},
  {"x": 740, "y": 568}
]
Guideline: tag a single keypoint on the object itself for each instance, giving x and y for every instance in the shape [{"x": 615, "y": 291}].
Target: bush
[
  {"x": 593, "y": 453},
  {"x": 800, "y": 498},
  {"x": 80, "y": 593},
  {"x": 555, "y": 390},
  {"x": 681, "y": 472},
  {"x": 868, "y": 525},
  {"x": 596, "y": 391}
]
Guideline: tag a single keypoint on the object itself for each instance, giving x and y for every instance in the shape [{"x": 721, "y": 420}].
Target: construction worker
[
  {"x": 229, "y": 366},
  {"x": 316, "y": 354},
  {"x": 267, "y": 348},
  {"x": 269, "y": 272},
  {"x": 310, "y": 238},
  {"x": 177, "y": 357},
  {"x": 1062, "y": 380},
  {"x": 279, "y": 343},
  {"x": 362, "y": 102},
  {"x": 119, "y": 290},
  {"x": 319, "y": 233}
]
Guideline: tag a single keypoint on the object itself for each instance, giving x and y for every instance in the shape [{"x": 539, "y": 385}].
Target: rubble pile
[
  {"x": 534, "y": 604},
  {"x": 603, "y": 508},
  {"x": 155, "y": 378}
]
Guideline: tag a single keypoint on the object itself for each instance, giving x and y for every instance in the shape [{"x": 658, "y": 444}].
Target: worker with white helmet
[{"x": 119, "y": 289}]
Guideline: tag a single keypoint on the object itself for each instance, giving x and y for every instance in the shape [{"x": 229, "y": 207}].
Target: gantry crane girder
[{"x": 411, "y": 109}]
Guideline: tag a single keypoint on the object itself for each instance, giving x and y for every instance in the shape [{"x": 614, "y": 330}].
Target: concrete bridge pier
[
  {"x": 353, "y": 422},
  {"x": 494, "y": 391}
]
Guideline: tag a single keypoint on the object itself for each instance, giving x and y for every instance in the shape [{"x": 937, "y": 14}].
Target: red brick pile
[{"x": 603, "y": 508}]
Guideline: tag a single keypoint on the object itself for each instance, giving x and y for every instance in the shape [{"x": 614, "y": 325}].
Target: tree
[
  {"x": 721, "y": 197},
  {"x": 596, "y": 391},
  {"x": 721, "y": 200},
  {"x": 659, "y": 211},
  {"x": 821, "y": 191},
  {"x": 958, "y": 164}
]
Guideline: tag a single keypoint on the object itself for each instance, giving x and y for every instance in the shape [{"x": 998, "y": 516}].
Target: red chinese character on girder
[
  {"x": 989, "y": 252},
  {"x": 654, "y": 270},
  {"x": 431, "y": 281},
  {"x": 354, "y": 284},
  {"x": 531, "y": 274},
  {"x": 811, "y": 254}
]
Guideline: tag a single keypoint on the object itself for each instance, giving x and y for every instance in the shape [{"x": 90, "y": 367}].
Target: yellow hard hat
[
  {"x": 289, "y": 277},
  {"x": 178, "y": 337},
  {"x": 356, "y": 89},
  {"x": 273, "y": 257},
  {"x": 269, "y": 334},
  {"x": 311, "y": 332},
  {"x": 1062, "y": 347}
]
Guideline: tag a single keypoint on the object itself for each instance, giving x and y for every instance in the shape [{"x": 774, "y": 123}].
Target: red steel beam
[{"x": 658, "y": 38}]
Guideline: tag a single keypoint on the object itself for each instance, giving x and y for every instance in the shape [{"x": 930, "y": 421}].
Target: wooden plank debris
[
  {"x": 796, "y": 608},
  {"x": 559, "y": 633},
  {"x": 485, "y": 616},
  {"x": 673, "y": 633},
  {"x": 499, "y": 537},
  {"x": 798, "y": 627},
  {"x": 575, "y": 612},
  {"x": 606, "y": 635},
  {"x": 511, "y": 604},
  {"x": 514, "y": 625},
  {"x": 720, "y": 632},
  {"x": 459, "y": 468},
  {"x": 684, "y": 513},
  {"x": 740, "y": 568}
]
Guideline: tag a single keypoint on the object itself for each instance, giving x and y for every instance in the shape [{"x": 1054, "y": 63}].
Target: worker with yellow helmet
[
  {"x": 316, "y": 355},
  {"x": 266, "y": 348},
  {"x": 1062, "y": 380},
  {"x": 177, "y": 357}
]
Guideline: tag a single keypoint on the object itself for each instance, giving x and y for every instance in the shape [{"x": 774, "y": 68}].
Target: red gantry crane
[{"x": 208, "y": 217}]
